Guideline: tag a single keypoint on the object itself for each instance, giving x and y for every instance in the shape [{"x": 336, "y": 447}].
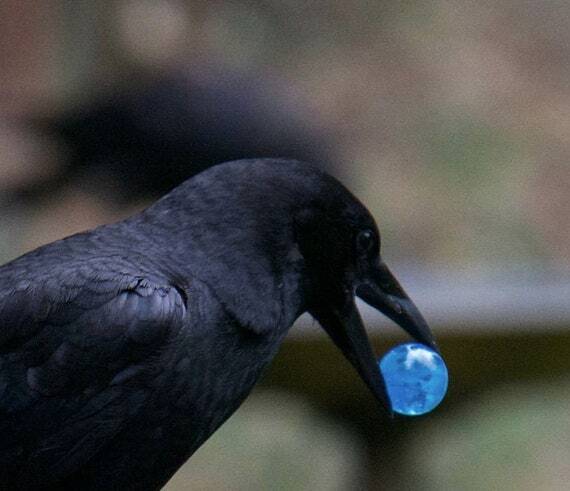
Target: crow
[
  {"x": 122, "y": 349},
  {"x": 139, "y": 142}
]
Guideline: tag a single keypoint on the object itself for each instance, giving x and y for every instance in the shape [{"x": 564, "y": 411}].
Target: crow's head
[
  {"x": 275, "y": 239},
  {"x": 341, "y": 248}
]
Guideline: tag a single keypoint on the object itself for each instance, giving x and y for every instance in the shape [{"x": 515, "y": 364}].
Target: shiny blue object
[{"x": 416, "y": 378}]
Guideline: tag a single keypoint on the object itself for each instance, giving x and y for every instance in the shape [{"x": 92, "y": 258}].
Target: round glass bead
[{"x": 416, "y": 378}]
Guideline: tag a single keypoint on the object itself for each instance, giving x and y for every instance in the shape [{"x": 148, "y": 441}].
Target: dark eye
[{"x": 365, "y": 242}]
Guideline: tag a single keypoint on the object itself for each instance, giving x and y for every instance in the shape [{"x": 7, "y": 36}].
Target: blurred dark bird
[
  {"x": 139, "y": 142},
  {"x": 124, "y": 348}
]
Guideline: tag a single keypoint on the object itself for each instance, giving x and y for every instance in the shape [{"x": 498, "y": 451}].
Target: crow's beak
[
  {"x": 347, "y": 331},
  {"x": 383, "y": 292}
]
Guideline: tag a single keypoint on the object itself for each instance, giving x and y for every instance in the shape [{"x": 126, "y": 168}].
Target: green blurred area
[{"x": 452, "y": 123}]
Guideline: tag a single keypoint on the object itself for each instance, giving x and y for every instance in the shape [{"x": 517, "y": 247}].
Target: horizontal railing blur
[{"x": 463, "y": 302}]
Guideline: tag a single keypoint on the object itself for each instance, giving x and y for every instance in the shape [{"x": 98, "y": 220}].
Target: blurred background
[{"x": 450, "y": 120}]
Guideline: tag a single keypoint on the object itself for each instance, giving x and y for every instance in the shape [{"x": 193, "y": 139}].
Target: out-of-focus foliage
[
  {"x": 450, "y": 118},
  {"x": 515, "y": 438},
  {"x": 275, "y": 441}
]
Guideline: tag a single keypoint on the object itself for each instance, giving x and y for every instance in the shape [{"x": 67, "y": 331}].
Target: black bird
[
  {"x": 124, "y": 348},
  {"x": 139, "y": 142}
]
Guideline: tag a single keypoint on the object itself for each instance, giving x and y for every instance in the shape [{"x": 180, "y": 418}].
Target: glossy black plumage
[{"x": 123, "y": 348}]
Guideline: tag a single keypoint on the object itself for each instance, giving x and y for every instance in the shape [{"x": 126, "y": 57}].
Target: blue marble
[{"x": 416, "y": 378}]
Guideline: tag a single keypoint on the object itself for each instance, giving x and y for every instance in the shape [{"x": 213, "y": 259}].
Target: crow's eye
[{"x": 365, "y": 242}]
